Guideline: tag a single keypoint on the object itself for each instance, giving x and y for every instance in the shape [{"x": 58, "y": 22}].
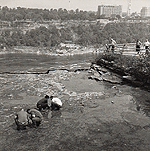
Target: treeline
[
  {"x": 92, "y": 34},
  {"x": 19, "y": 13}
]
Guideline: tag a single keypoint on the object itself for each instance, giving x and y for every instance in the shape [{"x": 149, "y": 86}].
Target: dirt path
[{"x": 94, "y": 116}]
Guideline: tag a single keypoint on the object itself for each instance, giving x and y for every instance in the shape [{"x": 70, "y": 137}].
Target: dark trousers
[
  {"x": 55, "y": 106},
  {"x": 36, "y": 121},
  {"x": 20, "y": 126},
  {"x": 42, "y": 106}
]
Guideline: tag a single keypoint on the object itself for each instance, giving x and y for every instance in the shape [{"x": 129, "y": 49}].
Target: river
[
  {"x": 14, "y": 62},
  {"x": 95, "y": 115}
]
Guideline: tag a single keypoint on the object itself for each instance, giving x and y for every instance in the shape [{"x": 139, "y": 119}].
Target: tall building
[
  {"x": 145, "y": 12},
  {"x": 129, "y": 8},
  {"x": 109, "y": 10}
]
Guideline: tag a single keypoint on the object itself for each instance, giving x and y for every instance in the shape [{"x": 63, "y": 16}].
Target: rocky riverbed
[{"x": 95, "y": 115}]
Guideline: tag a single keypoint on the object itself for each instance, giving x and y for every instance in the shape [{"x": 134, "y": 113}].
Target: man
[
  {"x": 146, "y": 44},
  {"x": 22, "y": 120},
  {"x": 43, "y": 103},
  {"x": 113, "y": 44},
  {"x": 56, "y": 103},
  {"x": 35, "y": 116},
  {"x": 138, "y": 46}
]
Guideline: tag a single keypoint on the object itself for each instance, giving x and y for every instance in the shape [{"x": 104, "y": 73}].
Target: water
[
  {"x": 82, "y": 123},
  {"x": 18, "y": 62},
  {"x": 41, "y": 63}
]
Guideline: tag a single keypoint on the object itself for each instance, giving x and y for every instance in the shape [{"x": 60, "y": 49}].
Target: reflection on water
[{"x": 51, "y": 114}]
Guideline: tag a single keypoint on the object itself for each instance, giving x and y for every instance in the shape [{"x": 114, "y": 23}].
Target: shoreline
[{"x": 50, "y": 51}]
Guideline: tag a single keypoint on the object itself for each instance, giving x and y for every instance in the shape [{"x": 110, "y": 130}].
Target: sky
[{"x": 86, "y": 5}]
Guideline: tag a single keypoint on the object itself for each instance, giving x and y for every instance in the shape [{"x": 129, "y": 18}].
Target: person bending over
[
  {"x": 22, "y": 119},
  {"x": 35, "y": 116},
  {"x": 56, "y": 103},
  {"x": 43, "y": 103}
]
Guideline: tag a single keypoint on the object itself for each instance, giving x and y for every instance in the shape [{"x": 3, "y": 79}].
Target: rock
[
  {"x": 95, "y": 78},
  {"x": 112, "y": 79},
  {"x": 96, "y": 74},
  {"x": 130, "y": 78}
]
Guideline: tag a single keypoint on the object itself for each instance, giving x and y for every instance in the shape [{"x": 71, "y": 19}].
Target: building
[
  {"x": 129, "y": 8},
  {"x": 109, "y": 10},
  {"x": 145, "y": 12}
]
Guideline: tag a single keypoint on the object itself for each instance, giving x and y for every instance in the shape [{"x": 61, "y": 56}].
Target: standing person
[
  {"x": 35, "y": 116},
  {"x": 22, "y": 119},
  {"x": 138, "y": 46},
  {"x": 146, "y": 44},
  {"x": 107, "y": 48},
  {"x": 113, "y": 44},
  {"x": 56, "y": 103},
  {"x": 43, "y": 103}
]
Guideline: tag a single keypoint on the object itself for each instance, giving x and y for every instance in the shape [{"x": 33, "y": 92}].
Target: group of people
[
  {"x": 113, "y": 44},
  {"x": 146, "y": 45},
  {"x": 33, "y": 117}
]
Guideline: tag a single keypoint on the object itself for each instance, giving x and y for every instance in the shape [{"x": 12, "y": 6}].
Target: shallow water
[
  {"x": 95, "y": 115},
  {"x": 19, "y": 62}
]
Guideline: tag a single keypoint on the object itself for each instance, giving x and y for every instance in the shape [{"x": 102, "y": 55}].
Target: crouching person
[
  {"x": 43, "y": 103},
  {"x": 22, "y": 120},
  {"x": 56, "y": 103},
  {"x": 35, "y": 116}
]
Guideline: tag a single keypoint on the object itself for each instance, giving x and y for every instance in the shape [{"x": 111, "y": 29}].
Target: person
[
  {"x": 107, "y": 47},
  {"x": 138, "y": 46},
  {"x": 22, "y": 120},
  {"x": 35, "y": 116},
  {"x": 146, "y": 44},
  {"x": 113, "y": 44},
  {"x": 56, "y": 103},
  {"x": 43, "y": 103}
]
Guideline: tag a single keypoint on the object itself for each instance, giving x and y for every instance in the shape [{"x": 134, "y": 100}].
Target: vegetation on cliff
[
  {"x": 137, "y": 67},
  {"x": 91, "y": 34}
]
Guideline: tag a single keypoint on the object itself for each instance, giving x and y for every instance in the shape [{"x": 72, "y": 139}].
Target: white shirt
[
  {"x": 113, "y": 42},
  {"x": 57, "y": 101},
  {"x": 147, "y": 43}
]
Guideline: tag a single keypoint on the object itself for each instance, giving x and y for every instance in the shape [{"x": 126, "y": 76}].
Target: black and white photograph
[{"x": 74, "y": 75}]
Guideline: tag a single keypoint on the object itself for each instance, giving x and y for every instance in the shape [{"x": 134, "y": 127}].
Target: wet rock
[
  {"x": 129, "y": 78},
  {"x": 112, "y": 79},
  {"x": 95, "y": 78}
]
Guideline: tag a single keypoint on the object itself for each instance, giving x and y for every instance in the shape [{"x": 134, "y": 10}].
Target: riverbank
[
  {"x": 133, "y": 69},
  {"x": 53, "y": 51}
]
